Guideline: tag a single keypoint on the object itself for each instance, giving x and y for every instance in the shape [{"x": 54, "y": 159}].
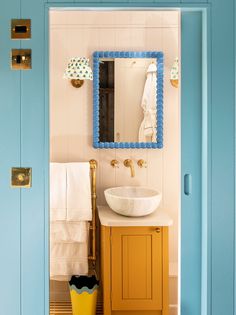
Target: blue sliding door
[
  {"x": 23, "y": 215},
  {"x": 191, "y": 150}
]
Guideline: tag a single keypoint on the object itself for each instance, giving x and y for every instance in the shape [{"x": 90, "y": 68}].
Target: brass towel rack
[{"x": 92, "y": 226}]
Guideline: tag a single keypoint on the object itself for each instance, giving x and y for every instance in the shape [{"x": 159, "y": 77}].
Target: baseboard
[
  {"x": 173, "y": 290},
  {"x": 173, "y": 308}
]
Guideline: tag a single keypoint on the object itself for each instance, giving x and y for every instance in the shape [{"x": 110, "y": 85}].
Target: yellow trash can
[{"x": 83, "y": 293}]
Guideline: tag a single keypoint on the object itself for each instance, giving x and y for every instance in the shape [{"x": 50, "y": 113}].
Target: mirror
[{"x": 128, "y": 99}]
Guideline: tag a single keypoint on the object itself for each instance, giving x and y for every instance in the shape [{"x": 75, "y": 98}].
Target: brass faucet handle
[
  {"x": 141, "y": 163},
  {"x": 127, "y": 162},
  {"x": 114, "y": 163}
]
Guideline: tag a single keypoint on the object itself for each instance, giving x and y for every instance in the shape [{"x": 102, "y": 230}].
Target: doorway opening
[{"x": 76, "y": 33}]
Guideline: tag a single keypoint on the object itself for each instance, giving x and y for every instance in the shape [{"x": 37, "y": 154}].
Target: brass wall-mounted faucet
[{"x": 129, "y": 163}]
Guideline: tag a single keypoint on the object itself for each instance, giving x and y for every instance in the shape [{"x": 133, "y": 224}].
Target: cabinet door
[{"x": 136, "y": 268}]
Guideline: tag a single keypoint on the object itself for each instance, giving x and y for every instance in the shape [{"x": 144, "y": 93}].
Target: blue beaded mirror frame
[{"x": 159, "y": 97}]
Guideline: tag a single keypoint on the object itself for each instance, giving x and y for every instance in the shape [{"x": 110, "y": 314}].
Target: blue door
[
  {"x": 191, "y": 148},
  {"x": 207, "y": 252}
]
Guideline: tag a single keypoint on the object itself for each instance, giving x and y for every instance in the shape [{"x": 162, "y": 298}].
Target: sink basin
[{"x": 133, "y": 201}]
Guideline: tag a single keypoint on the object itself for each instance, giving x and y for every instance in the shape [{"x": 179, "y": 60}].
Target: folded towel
[
  {"x": 64, "y": 231},
  {"x": 57, "y": 191},
  {"x": 79, "y": 207},
  {"x": 68, "y": 259}
]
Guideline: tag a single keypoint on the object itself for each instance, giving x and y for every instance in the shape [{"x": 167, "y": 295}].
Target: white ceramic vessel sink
[{"x": 132, "y": 201}]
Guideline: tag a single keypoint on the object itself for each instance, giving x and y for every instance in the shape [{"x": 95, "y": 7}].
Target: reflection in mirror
[
  {"x": 128, "y": 107},
  {"x": 106, "y": 100},
  {"x": 128, "y": 99}
]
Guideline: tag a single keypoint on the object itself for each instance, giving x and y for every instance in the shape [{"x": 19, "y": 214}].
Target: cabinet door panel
[
  {"x": 136, "y": 269},
  {"x": 134, "y": 265}
]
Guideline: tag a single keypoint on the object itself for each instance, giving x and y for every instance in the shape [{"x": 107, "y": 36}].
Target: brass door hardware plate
[
  {"x": 21, "y": 59},
  {"x": 21, "y": 177},
  {"x": 20, "y": 29}
]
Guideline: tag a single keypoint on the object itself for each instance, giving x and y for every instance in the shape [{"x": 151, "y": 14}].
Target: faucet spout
[{"x": 129, "y": 163}]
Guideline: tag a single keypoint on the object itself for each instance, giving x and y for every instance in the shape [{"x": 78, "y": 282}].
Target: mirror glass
[{"x": 128, "y": 99}]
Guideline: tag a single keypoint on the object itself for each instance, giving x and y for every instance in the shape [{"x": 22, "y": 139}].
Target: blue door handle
[{"x": 187, "y": 184}]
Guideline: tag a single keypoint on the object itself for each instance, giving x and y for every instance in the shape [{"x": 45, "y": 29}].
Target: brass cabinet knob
[{"x": 158, "y": 230}]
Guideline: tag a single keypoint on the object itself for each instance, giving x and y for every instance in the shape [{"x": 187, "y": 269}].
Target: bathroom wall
[{"x": 79, "y": 34}]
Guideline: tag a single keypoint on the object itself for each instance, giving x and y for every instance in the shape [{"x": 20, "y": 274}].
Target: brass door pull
[{"x": 21, "y": 177}]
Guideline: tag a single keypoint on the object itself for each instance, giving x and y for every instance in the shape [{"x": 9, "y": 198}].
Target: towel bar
[{"x": 92, "y": 227}]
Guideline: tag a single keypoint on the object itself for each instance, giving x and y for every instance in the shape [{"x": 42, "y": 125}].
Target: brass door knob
[{"x": 21, "y": 177}]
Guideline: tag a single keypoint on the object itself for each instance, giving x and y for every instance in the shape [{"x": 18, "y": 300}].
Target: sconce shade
[
  {"x": 78, "y": 69},
  {"x": 174, "y": 73}
]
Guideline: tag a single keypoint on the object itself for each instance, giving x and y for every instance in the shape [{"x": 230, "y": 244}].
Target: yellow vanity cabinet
[{"x": 134, "y": 270}]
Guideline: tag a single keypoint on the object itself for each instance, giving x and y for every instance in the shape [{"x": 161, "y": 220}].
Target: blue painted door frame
[{"x": 24, "y": 284}]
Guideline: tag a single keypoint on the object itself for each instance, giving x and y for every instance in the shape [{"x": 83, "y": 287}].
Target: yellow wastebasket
[{"x": 83, "y": 293}]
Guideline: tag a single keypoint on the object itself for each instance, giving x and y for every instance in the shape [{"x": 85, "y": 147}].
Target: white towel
[
  {"x": 57, "y": 191},
  {"x": 68, "y": 259},
  {"x": 71, "y": 208},
  {"x": 64, "y": 231},
  {"x": 79, "y": 207}
]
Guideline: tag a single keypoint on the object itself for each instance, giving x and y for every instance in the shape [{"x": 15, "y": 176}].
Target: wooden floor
[
  {"x": 64, "y": 308},
  {"x": 59, "y": 308}
]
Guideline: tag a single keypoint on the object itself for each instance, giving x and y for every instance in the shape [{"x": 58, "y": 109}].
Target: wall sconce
[
  {"x": 174, "y": 73},
  {"x": 78, "y": 70}
]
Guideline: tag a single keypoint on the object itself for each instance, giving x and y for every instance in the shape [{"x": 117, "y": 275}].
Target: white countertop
[{"x": 109, "y": 218}]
